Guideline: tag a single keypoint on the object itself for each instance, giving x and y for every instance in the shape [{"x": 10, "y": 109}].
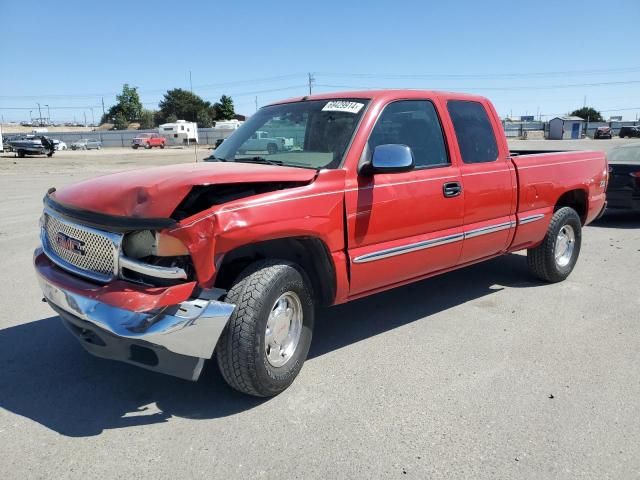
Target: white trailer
[{"x": 180, "y": 132}]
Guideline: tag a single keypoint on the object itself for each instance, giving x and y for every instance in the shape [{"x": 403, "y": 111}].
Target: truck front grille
[{"x": 83, "y": 250}]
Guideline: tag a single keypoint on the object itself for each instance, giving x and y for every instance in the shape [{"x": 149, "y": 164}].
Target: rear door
[
  {"x": 405, "y": 225},
  {"x": 488, "y": 179}
]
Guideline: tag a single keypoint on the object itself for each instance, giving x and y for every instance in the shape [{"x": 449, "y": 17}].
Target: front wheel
[
  {"x": 267, "y": 339},
  {"x": 553, "y": 260}
]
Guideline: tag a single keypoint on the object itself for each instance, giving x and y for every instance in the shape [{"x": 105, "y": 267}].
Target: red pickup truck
[
  {"x": 148, "y": 140},
  {"x": 167, "y": 267}
]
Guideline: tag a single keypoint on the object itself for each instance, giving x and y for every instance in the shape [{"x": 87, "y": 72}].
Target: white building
[{"x": 566, "y": 127}]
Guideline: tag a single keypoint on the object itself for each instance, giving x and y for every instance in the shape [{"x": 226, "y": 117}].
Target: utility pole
[
  {"x": 312, "y": 80},
  {"x": 190, "y": 83},
  {"x": 48, "y": 114},
  {"x": 256, "y": 103},
  {"x": 30, "y": 116},
  {"x": 85, "y": 118},
  {"x": 103, "y": 106},
  {"x": 39, "y": 115}
]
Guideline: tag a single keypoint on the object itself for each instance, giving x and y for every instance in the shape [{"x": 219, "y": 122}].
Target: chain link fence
[{"x": 123, "y": 138}]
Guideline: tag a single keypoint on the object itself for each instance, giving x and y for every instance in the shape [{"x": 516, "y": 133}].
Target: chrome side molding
[
  {"x": 531, "y": 218},
  {"x": 412, "y": 247},
  {"x": 434, "y": 242},
  {"x": 490, "y": 229}
]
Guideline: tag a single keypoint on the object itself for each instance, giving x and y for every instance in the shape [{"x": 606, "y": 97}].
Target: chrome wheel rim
[
  {"x": 284, "y": 327},
  {"x": 565, "y": 245}
]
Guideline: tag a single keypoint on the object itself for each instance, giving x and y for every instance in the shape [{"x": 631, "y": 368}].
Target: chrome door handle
[{"x": 451, "y": 189}]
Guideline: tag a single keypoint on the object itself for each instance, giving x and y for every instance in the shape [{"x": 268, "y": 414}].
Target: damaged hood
[{"x": 156, "y": 192}]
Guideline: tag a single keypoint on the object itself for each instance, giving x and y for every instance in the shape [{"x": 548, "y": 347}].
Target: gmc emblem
[{"x": 69, "y": 243}]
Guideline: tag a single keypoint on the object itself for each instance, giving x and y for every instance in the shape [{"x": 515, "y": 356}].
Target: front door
[
  {"x": 405, "y": 225},
  {"x": 575, "y": 130}
]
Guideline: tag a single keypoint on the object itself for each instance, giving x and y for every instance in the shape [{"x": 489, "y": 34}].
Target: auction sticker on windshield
[{"x": 342, "y": 106}]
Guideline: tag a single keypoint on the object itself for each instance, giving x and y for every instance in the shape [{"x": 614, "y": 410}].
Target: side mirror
[{"x": 391, "y": 158}]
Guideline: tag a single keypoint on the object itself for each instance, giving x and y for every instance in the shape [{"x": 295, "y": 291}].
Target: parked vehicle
[
  {"x": 629, "y": 132},
  {"x": 86, "y": 144},
  {"x": 623, "y": 191},
  {"x": 603, "y": 132},
  {"x": 59, "y": 144},
  {"x": 148, "y": 140},
  {"x": 32, "y": 145},
  {"x": 180, "y": 132},
  {"x": 263, "y": 142},
  {"x": 167, "y": 267}
]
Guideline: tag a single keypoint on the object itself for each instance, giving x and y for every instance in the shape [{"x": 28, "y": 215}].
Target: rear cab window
[{"x": 474, "y": 132}]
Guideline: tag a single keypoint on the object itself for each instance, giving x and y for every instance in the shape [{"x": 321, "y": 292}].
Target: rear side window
[
  {"x": 413, "y": 123},
  {"x": 476, "y": 137}
]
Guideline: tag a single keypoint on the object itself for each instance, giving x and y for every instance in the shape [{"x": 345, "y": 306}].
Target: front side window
[
  {"x": 308, "y": 134},
  {"x": 413, "y": 123},
  {"x": 476, "y": 138}
]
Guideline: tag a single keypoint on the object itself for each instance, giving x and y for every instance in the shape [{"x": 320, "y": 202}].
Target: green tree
[
  {"x": 147, "y": 119},
  {"x": 224, "y": 109},
  {"x": 128, "y": 105},
  {"x": 184, "y": 105},
  {"x": 120, "y": 121},
  {"x": 203, "y": 118},
  {"x": 588, "y": 113}
]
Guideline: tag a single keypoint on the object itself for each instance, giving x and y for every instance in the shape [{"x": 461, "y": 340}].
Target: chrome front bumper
[{"x": 191, "y": 328}]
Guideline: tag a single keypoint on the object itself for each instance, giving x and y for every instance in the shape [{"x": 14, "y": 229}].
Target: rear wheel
[
  {"x": 148, "y": 146},
  {"x": 272, "y": 148},
  {"x": 162, "y": 145},
  {"x": 135, "y": 147},
  {"x": 20, "y": 153},
  {"x": 553, "y": 260},
  {"x": 267, "y": 339}
]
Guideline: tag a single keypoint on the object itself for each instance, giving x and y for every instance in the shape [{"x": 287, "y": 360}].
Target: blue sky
[{"x": 534, "y": 57}]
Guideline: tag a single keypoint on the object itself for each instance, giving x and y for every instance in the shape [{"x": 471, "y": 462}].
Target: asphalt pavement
[{"x": 480, "y": 373}]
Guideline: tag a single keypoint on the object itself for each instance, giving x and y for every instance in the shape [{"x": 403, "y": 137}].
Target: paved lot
[{"x": 481, "y": 373}]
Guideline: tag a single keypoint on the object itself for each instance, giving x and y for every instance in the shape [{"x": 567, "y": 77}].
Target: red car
[
  {"x": 148, "y": 140},
  {"x": 168, "y": 267}
]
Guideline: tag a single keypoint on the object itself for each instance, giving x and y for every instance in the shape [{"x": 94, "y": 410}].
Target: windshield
[
  {"x": 626, "y": 154},
  {"x": 309, "y": 134}
]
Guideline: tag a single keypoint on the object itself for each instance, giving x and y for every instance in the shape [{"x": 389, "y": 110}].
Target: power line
[
  {"x": 162, "y": 90},
  {"x": 482, "y": 75},
  {"x": 467, "y": 88}
]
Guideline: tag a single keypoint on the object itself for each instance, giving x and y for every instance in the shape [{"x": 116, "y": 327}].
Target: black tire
[
  {"x": 241, "y": 352},
  {"x": 135, "y": 147},
  {"x": 162, "y": 146},
  {"x": 147, "y": 146},
  {"x": 20, "y": 153},
  {"x": 542, "y": 259},
  {"x": 272, "y": 148}
]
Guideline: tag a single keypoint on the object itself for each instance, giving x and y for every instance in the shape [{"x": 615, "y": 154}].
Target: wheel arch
[
  {"x": 310, "y": 253},
  {"x": 576, "y": 199}
]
